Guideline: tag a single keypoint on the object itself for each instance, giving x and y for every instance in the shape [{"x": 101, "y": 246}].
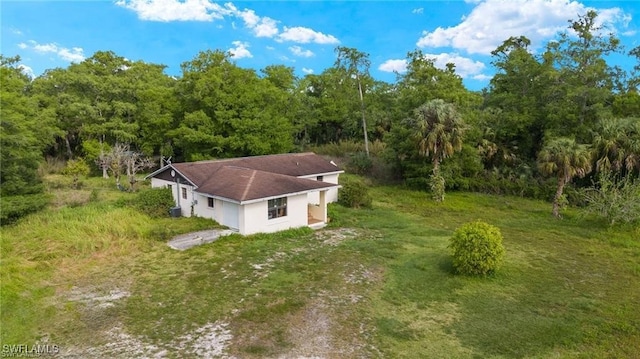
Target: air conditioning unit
[{"x": 175, "y": 212}]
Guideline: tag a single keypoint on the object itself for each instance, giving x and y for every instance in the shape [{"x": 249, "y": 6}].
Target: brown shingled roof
[
  {"x": 243, "y": 184},
  {"x": 249, "y": 178}
]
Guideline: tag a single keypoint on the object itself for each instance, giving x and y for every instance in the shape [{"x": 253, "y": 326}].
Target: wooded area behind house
[{"x": 545, "y": 118}]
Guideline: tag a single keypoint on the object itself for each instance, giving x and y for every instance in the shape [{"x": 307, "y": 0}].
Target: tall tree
[
  {"x": 584, "y": 81},
  {"x": 229, "y": 111},
  {"x": 517, "y": 89},
  {"x": 564, "y": 158},
  {"x": 438, "y": 130},
  {"x": 423, "y": 81},
  {"x": 356, "y": 65},
  {"x": 26, "y": 130}
]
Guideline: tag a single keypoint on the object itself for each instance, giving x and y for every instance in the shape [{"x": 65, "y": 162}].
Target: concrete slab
[{"x": 186, "y": 241}]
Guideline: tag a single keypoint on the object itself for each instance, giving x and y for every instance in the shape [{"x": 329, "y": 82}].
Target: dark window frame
[
  {"x": 184, "y": 193},
  {"x": 210, "y": 202},
  {"x": 277, "y": 208}
]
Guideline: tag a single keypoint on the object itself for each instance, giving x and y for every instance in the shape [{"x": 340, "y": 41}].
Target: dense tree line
[{"x": 436, "y": 132}]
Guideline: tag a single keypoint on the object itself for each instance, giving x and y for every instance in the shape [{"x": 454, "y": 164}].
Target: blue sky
[{"x": 303, "y": 35}]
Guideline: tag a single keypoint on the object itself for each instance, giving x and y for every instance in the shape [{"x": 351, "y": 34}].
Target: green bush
[
  {"x": 615, "y": 199},
  {"x": 360, "y": 163},
  {"x": 476, "y": 248},
  {"x": 14, "y": 207},
  {"x": 76, "y": 168},
  {"x": 355, "y": 194},
  {"x": 155, "y": 202}
]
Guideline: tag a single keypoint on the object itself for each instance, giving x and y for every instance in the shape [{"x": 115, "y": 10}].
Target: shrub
[
  {"x": 155, "y": 202},
  {"x": 354, "y": 194},
  {"x": 14, "y": 207},
  {"x": 76, "y": 168},
  {"x": 476, "y": 248},
  {"x": 616, "y": 200},
  {"x": 360, "y": 163}
]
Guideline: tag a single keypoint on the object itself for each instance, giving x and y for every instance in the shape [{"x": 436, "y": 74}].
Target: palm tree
[
  {"x": 617, "y": 144},
  {"x": 566, "y": 159},
  {"x": 439, "y": 130}
]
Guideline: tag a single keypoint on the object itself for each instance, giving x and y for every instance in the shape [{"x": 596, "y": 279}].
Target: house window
[
  {"x": 169, "y": 187},
  {"x": 184, "y": 193},
  {"x": 320, "y": 178},
  {"x": 209, "y": 202},
  {"x": 277, "y": 207}
]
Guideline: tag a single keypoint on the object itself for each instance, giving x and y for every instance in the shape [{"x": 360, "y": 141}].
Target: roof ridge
[{"x": 248, "y": 186}]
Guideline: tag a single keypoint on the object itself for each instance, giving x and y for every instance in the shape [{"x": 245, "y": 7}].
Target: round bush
[
  {"x": 476, "y": 248},
  {"x": 354, "y": 194}
]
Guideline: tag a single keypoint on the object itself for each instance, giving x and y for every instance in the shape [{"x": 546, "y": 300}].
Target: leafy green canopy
[{"x": 476, "y": 248}]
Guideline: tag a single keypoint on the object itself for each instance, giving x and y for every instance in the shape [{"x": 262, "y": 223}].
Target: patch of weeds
[{"x": 395, "y": 329}]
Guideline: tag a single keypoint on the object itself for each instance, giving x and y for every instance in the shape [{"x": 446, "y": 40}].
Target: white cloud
[
  {"x": 27, "y": 70},
  {"x": 299, "y": 51},
  {"x": 16, "y": 31},
  {"x": 305, "y": 35},
  {"x": 175, "y": 10},
  {"x": 465, "y": 67},
  {"x": 45, "y": 47},
  {"x": 261, "y": 26},
  {"x": 207, "y": 10},
  {"x": 399, "y": 66},
  {"x": 240, "y": 50},
  {"x": 75, "y": 54},
  {"x": 493, "y": 21},
  {"x": 419, "y": 10},
  {"x": 307, "y": 71},
  {"x": 481, "y": 77},
  {"x": 270, "y": 48},
  {"x": 267, "y": 28}
]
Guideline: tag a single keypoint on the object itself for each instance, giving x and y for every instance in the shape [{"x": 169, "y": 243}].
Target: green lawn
[{"x": 97, "y": 279}]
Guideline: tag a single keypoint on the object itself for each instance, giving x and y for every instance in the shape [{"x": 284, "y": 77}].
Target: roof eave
[
  {"x": 261, "y": 199},
  {"x": 173, "y": 168},
  {"x": 289, "y": 194}
]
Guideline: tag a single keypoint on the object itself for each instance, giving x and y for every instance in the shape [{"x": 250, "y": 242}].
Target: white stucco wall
[
  {"x": 185, "y": 204},
  {"x": 332, "y": 194},
  {"x": 254, "y": 216},
  {"x": 202, "y": 209}
]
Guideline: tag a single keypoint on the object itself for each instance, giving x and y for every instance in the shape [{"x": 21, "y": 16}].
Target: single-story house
[{"x": 254, "y": 194}]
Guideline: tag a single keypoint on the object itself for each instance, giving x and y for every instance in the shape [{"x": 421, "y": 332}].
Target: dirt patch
[
  {"x": 333, "y": 237},
  {"x": 111, "y": 340},
  {"x": 93, "y": 298},
  {"x": 261, "y": 270},
  {"x": 209, "y": 342},
  {"x": 310, "y": 333}
]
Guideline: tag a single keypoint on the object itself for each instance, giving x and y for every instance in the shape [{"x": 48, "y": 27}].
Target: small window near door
[
  {"x": 320, "y": 178},
  {"x": 277, "y": 207},
  {"x": 184, "y": 193},
  {"x": 209, "y": 202}
]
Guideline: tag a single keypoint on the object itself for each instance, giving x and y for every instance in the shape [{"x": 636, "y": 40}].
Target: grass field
[{"x": 95, "y": 277}]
